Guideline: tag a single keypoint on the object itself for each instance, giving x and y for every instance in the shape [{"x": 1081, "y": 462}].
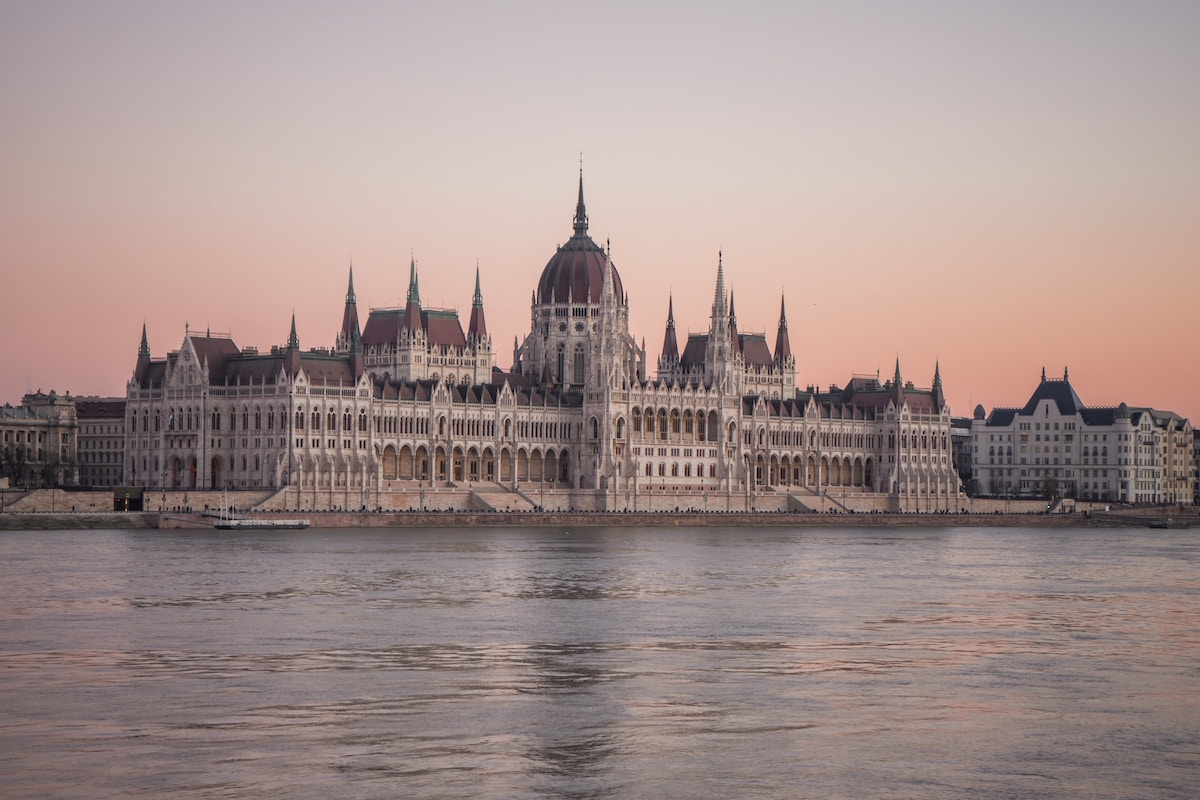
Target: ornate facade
[
  {"x": 1056, "y": 447},
  {"x": 413, "y": 402}
]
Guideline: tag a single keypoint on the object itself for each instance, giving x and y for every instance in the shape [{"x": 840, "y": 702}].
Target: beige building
[
  {"x": 101, "y": 448},
  {"x": 38, "y": 441},
  {"x": 415, "y": 401},
  {"x": 1056, "y": 447}
]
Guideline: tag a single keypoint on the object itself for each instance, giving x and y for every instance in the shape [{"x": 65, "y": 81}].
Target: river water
[{"x": 601, "y": 663}]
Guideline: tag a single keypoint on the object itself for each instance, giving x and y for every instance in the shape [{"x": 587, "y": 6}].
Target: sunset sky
[{"x": 998, "y": 187}]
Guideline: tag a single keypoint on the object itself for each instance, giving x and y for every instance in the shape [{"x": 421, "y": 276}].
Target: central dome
[{"x": 576, "y": 272}]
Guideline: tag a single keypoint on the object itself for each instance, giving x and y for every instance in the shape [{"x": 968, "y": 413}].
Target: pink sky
[{"x": 1000, "y": 188}]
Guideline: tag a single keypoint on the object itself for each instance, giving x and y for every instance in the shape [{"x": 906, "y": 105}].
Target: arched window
[
  {"x": 578, "y": 365},
  {"x": 362, "y": 420},
  {"x": 257, "y": 419},
  {"x": 216, "y": 420},
  {"x": 299, "y": 419},
  {"x": 346, "y": 421},
  {"x": 245, "y": 419},
  {"x": 595, "y": 428},
  {"x": 332, "y": 420}
]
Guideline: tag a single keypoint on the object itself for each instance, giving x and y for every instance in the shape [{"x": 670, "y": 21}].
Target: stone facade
[
  {"x": 101, "y": 440},
  {"x": 413, "y": 410},
  {"x": 1055, "y": 447},
  {"x": 39, "y": 440}
]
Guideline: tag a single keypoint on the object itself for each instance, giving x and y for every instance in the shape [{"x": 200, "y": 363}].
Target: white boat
[
  {"x": 227, "y": 522},
  {"x": 247, "y": 524}
]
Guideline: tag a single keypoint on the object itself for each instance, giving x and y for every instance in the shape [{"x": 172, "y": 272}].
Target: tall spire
[
  {"x": 477, "y": 328},
  {"x": 144, "y": 347},
  {"x": 783, "y": 345},
  {"x": 897, "y": 381},
  {"x": 939, "y": 397},
  {"x": 581, "y": 219},
  {"x": 670, "y": 349},
  {"x": 412, "y": 309},
  {"x": 720, "y": 303},
  {"x": 293, "y": 342},
  {"x": 350, "y": 336},
  {"x": 414, "y": 291}
]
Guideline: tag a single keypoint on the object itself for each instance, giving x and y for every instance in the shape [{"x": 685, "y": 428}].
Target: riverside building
[
  {"x": 1056, "y": 447},
  {"x": 411, "y": 411}
]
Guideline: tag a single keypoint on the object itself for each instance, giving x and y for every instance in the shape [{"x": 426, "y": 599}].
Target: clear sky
[{"x": 1000, "y": 187}]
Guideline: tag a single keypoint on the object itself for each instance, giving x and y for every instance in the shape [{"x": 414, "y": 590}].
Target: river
[{"x": 601, "y": 663}]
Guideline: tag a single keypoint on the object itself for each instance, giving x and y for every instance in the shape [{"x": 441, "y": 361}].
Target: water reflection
[{"x": 611, "y": 663}]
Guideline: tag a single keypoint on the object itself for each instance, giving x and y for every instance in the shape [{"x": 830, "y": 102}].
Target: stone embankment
[{"x": 1131, "y": 518}]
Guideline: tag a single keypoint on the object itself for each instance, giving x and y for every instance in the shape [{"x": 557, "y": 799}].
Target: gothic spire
[
  {"x": 412, "y": 309},
  {"x": 720, "y": 303},
  {"x": 350, "y": 336},
  {"x": 144, "y": 347},
  {"x": 670, "y": 349},
  {"x": 414, "y": 291},
  {"x": 477, "y": 328},
  {"x": 939, "y": 396},
  {"x": 783, "y": 346},
  {"x": 293, "y": 342},
  {"x": 581, "y": 219}
]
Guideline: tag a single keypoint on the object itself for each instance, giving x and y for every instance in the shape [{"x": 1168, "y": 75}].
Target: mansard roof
[
  {"x": 100, "y": 408},
  {"x": 1061, "y": 392}
]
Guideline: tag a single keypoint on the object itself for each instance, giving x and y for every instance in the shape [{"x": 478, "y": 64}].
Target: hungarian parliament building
[{"x": 410, "y": 409}]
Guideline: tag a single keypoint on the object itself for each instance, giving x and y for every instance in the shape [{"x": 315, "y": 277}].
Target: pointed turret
[
  {"x": 783, "y": 347},
  {"x": 412, "y": 309},
  {"x": 720, "y": 306},
  {"x": 898, "y": 385},
  {"x": 670, "y": 348},
  {"x": 477, "y": 329},
  {"x": 291, "y": 359},
  {"x": 143, "y": 357},
  {"x": 581, "y": 219},
  {"x": 350, "y": 336},
  {"x": 734, "y": 339},
  {"x": 939, "y": 397}
]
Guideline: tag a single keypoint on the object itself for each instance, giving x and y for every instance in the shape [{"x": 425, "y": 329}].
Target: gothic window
[
  {"x": 245, "y": 419},
  {"x": 362, "y": 420},
  {"x": 649, "y": 470},
  {"x": 560, "y": 367},
  {"x": 578, "y": 366},
  {"x": 216, "y": 420},
  {"x": 299, "y": 419},
  {"x": 258, "y": 419},
  {"x": 346, "y": 422},
  {"x": 331, "y": 422}
]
